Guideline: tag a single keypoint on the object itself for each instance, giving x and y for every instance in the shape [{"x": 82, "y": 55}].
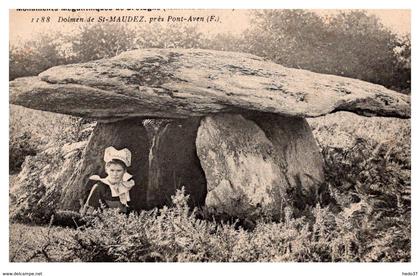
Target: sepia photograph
[{"x": 210, "y": 135}]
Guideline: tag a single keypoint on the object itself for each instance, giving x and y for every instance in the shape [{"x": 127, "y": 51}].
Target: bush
[
  {"x": 19, "y": 147},
  {"x": 37, "y": 189},
  {"x": 352, "y": 44},
  {"x": 372, "y": 181},
  {"x": 368, "y": 219},
  {"x": 379, "y": 173},
  {"x": 38, "y": 244},
  {"x": 31, "y": 57},
  {"x": 33, "y": 131},
  {"x": 170, "y": 234}
]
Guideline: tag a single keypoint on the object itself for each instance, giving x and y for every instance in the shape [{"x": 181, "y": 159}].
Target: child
[{"x": 112, "y": 191}]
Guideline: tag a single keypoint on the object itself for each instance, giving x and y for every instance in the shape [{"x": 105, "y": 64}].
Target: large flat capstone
[{"x": 179, "y": 83}]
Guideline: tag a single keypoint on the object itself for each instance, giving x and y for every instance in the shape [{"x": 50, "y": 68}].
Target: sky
[{"x": 22, "y": 26}]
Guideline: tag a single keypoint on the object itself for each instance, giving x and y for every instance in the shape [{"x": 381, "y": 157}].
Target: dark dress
[{"x": 98, "y": 195}]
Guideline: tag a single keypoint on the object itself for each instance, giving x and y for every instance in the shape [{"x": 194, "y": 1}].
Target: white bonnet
[{"x": 123, "y": 155}]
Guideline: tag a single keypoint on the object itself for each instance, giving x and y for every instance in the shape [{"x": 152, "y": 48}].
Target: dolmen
[{"x": 229, "y": 127}]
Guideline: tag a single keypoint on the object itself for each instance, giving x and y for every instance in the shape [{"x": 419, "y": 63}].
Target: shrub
[
  {"x": 33, "y": 131},
  {"x": 19, "y": 147},
  {"x": 175, "y": 233},
  {"x": 37, "y": 190},
  {"x": 352, "y": 44}
]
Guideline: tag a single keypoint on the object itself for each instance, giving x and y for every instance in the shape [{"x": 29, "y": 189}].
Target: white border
[{"x": 198, "y": 268}]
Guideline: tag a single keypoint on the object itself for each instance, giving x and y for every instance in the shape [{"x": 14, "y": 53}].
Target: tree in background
[
  {"x": 94, "y": 42},
  {"x": 288, "y": 37},
  {"x": 34, "y": 56},
  {"x": 100, "y": 41},
  {"x": 351, "y": 44},
  {"x": 28, "y": 127},
  {"x": 168, "y": 37},
  {"x": 223, "y": 42},
  {"x": 402, "y": 77}
]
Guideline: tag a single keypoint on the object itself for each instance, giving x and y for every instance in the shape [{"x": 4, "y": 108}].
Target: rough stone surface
[
  {"x": 35, "y": 192},
  {"x": 258, "y": 165},
  {"x": 129, "y": 134},
  {"x": 173, "y": 163},
  {"x": 296, "y": 152},
  {"x": 179, "y": 83},
  {"x": 236, "y": 156},
  {"x": 164, "y": 159}
]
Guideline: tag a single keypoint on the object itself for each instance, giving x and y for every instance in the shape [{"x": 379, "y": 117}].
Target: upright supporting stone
[
  {"x": 242, "y": 176},
  {"x": 164, "y": 159},
  {"x": 297, "y": 154},
  {"x": 173, "y": 163},
  {"x": 129, "y": 134},
  {"x": 252, "y": 162},
  {"x": 258, "y": 163}
]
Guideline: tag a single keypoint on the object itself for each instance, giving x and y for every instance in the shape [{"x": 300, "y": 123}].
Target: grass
[
  {"x": 179, "y": 234},
  {"x": 367, "y": 219},
  {"x": 30, "y": 243}
]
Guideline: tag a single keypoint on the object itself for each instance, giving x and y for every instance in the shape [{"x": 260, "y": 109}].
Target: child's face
[{"x": 115, "y": 173}]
